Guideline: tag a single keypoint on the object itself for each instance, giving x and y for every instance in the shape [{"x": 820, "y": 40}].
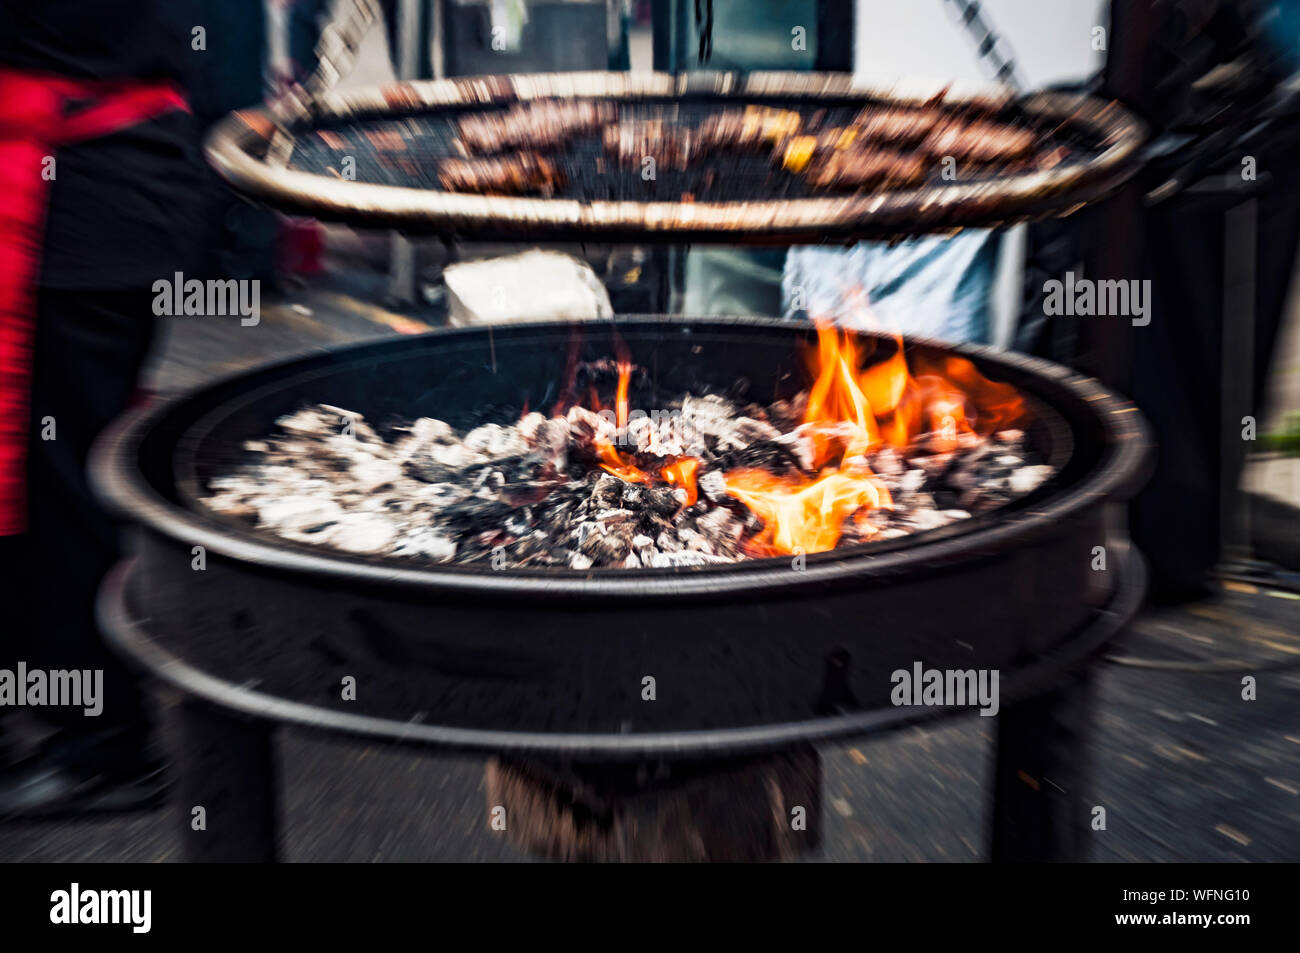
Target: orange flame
[
  {"x": 852, "y": 411},
  {"x": 620, "y": 400},
  {"x": 614, "y": 463},
  {"x": 681, "y": 472},
  {"x": 801, "y": 515}
]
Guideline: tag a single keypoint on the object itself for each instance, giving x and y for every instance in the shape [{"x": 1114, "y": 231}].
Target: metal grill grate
[{"x": 406, "y": 151}]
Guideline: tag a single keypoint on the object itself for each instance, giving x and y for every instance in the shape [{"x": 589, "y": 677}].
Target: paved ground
[{"x": 1186, "y": 769}]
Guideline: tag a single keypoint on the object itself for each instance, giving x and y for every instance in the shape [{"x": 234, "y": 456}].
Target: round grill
[{"x": 371, "y": 158}]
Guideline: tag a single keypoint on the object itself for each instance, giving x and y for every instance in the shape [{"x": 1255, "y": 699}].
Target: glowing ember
[{"x": 882, "y": 444}]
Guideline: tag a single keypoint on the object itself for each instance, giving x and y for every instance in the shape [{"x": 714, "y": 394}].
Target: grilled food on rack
[
  {"x": 979, "y": 141},
  {"x": 866, "y": 166},
  {"x": 894, "y": 125},
  {"x": 796, "y": 153},
  {"x": 754, "y": 127},
  {"x": 525, "y": 172},
  {"x": 544, "y": 124},
  {"x": 630, "y": 141}
]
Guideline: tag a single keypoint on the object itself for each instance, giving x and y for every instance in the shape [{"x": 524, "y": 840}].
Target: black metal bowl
[{"x": 757, "y": 653}]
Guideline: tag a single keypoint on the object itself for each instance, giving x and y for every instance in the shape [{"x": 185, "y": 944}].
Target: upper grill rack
[{"x": 371, "y": 158}]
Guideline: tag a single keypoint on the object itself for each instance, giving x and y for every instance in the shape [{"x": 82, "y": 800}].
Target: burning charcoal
[
  {"x": 428, "y": 471},
  {"x": 551, "y": 441},
  {"x": 887, "y": 463},
  {"x": 608, "y": 492},
  {"x": 1028, "y": 479},
  {"x": 720, "y": 524},
  {"x": 695, "y": 541},
  {"x": 495, "y": 441},
  {"x": 431, "y": 544},
  {"x": 476, "y": 514},
  {"x": 713, "y": 485},
  {"x": 529, "y": 425},
  {"x": 912, "y": 481},
  {"x": 371, "y": 474},
  {"x": 535, "y": 490},
  {"x": 934, "y": 465},
  {"x": 921, "y": 520},
  {"x": 454, "y": 455},
  {"x": 663, "y": 500},
  {"x": 634, "y": 496},
  {"x": 669, "y": 543},
  {"x": 800, "y": 444},
  {"x": 744, "y": 432},
  {"x": 421, "y": 434},
  {"x": 363, "y": 533},
  {"x": 685, "y": 558},
  {"x": 296, "y": 513},
  {"x": 707, "y": 416},
  {"x": 611, "y": 546},
  {"x": 586, "y": 427}
]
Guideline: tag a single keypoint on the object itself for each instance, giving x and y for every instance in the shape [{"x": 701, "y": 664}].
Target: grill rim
[
  {"x": 122, "y": 486},
  {"x": 1016, "y": 198},
  {"x": 131, "y": 637}
]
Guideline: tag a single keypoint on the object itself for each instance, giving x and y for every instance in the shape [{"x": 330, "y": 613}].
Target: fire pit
[
  {"x": 589, "y": 667},
  {"x": 880, "y": 443}
]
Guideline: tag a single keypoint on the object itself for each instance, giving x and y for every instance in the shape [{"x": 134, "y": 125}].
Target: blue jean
[{"x": 932, "y": 286}]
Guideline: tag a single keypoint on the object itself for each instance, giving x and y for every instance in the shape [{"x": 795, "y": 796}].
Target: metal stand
[
  {"x": 401, "y": 263},
  {"x": 736, "y": 810},
  {"x": 226, "y": 766},
  {"x": 1040, "y": 808},
  {"x": 1238, "y": 388}
]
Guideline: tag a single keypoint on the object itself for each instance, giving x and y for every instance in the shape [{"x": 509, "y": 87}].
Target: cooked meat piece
[
  {"x": 795, "y": 154},
  {"x": 979, "y": 141},
  {"x": 892, "y": 124},
  {"x": 857, "y": 168},
  {"x": 631, "y": 141},
  {"x": 543, "y": 124},
  {"x": 525, "y": 172},
  {"x": 755, "y": 126}
]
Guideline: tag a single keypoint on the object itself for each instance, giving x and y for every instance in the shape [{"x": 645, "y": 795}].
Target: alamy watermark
[
  {"x": 951, "y": 686},
  {"x": 75, "y": 906},
  {"x": 1108, "y": 297},
  {"x": 58, "y": 688},
  {"x": 178, "y": 296}
]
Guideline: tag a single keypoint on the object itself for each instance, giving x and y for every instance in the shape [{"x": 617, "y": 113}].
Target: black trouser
[{"x": 90, "y": 346}]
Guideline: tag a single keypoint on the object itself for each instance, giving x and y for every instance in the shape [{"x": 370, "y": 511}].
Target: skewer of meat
[
  {"x": 631, "y": 141},
  {"x": 979, "y": 141},
  {"x": 858, "y": 168},
  {"x": 797, "y": 152},
  {"x": 538, "y": 125},
  {"x": 509, "y": 175},
  {"x": 754, "y": 127},
  {"x": 895, "y": 125}
]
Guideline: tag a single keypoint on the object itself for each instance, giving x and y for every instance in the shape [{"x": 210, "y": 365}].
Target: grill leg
[
  {"x": 226, "y": 766},
  {"x": 1040, "y": 807}
]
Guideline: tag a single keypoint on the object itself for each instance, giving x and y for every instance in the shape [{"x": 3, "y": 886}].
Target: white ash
[{"x": 534, "y": 490}]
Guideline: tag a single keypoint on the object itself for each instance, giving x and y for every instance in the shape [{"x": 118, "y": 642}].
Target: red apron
[{"x": 35, "y": 120}]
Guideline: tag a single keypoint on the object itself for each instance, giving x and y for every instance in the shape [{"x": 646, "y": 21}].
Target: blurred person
[
  {"x": 99, "y": 186},
  {"x": 931, "y": 286}
]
